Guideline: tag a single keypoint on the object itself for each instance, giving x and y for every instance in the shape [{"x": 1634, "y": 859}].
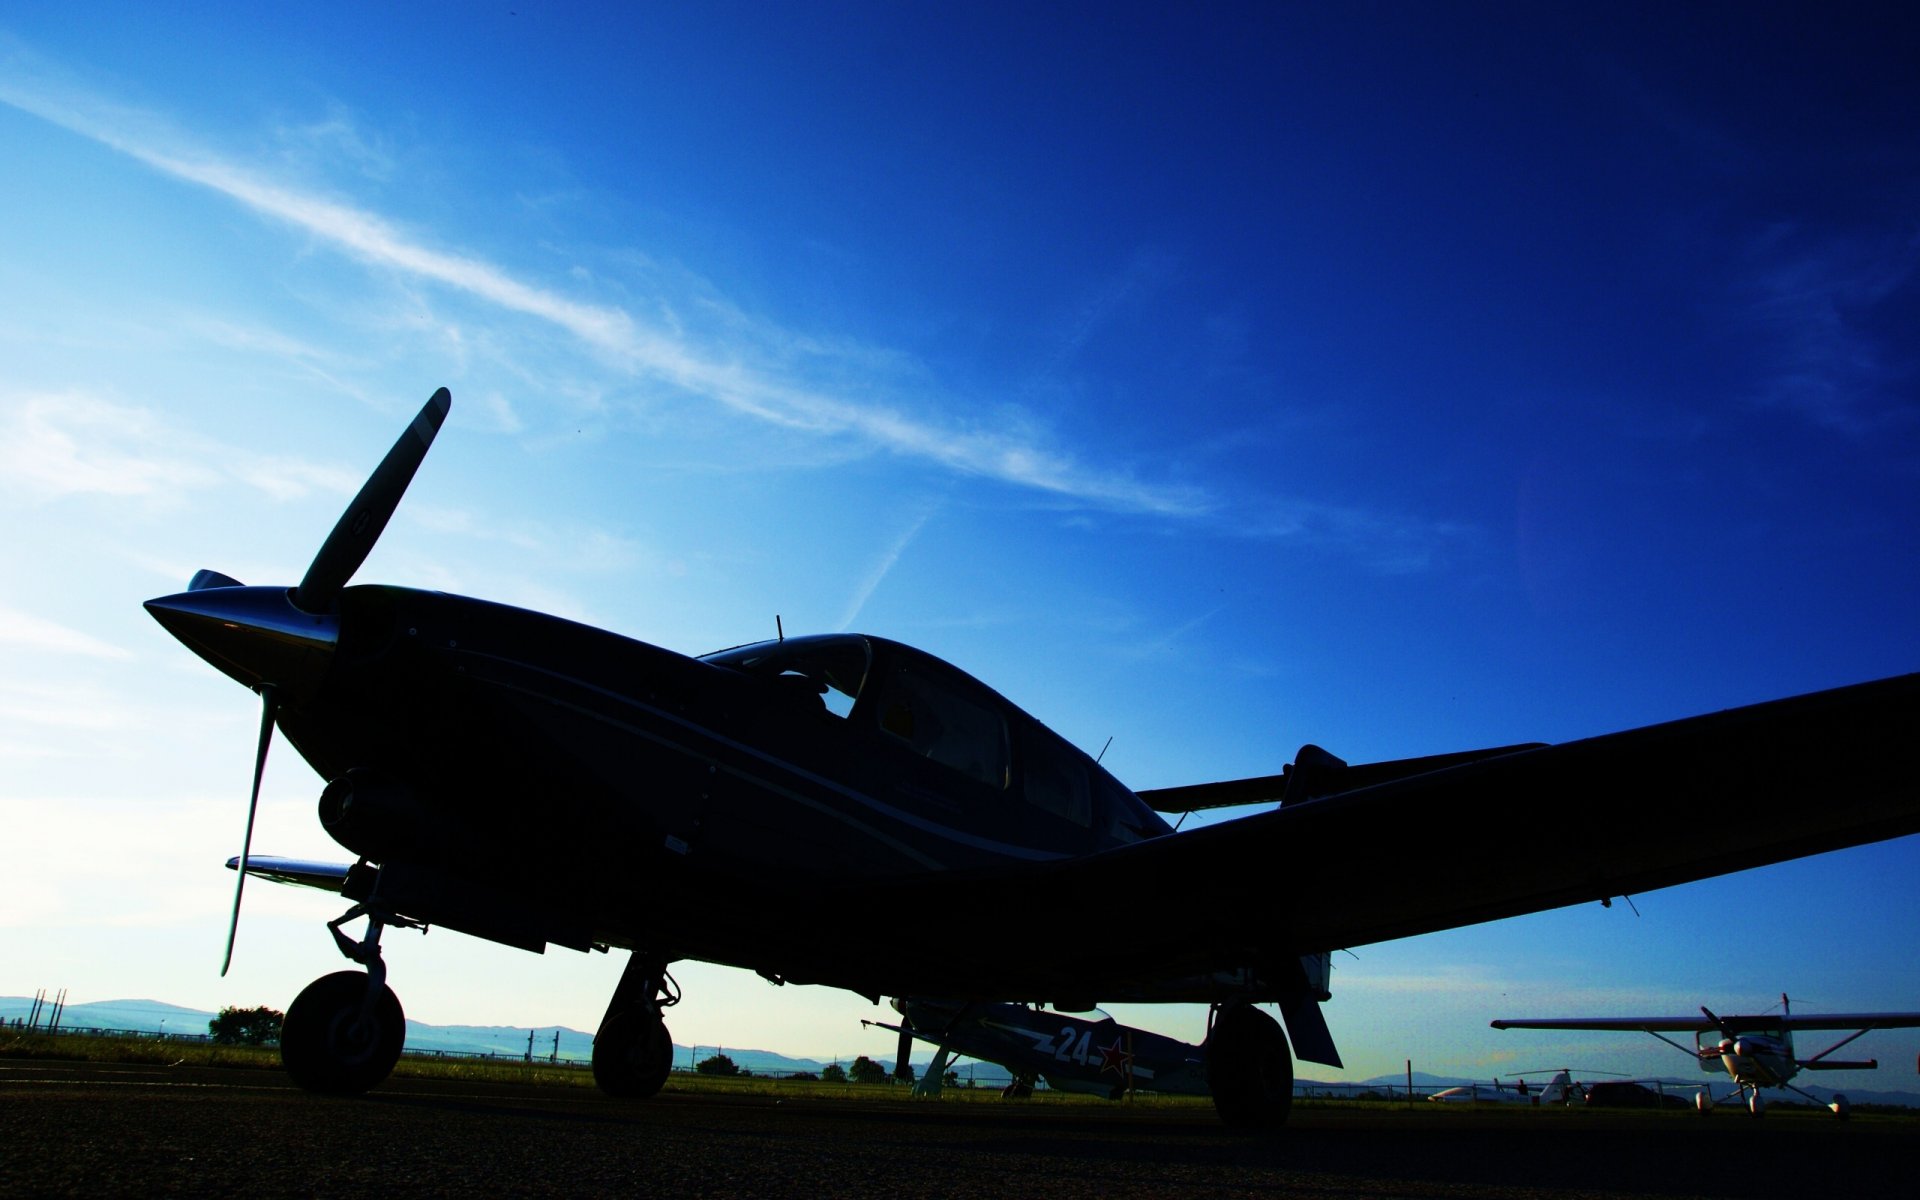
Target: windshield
[{"x": 831, "y": 667}]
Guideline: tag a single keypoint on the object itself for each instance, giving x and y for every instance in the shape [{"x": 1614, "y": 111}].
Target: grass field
[
  {"x": 169, "y": 1053},
  {"x": 165, "y": 1052}
]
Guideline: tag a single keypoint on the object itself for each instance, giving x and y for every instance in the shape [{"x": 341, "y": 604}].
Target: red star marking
[{"x": 1117, "y": 1058}]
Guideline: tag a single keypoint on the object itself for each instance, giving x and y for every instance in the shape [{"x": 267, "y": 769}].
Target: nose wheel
[{"x": 342, "y": 1034}]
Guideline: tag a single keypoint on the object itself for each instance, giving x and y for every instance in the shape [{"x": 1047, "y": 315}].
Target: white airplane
[
  {"x": 1558, "y": 1090},
  {"x": 1756, "y": 1051}
]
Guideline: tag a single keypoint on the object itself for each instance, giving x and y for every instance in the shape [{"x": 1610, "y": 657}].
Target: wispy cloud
[
  {"x": 1391, "y": 544},
  {"x": 660, "y": 352},
  {"x": 70, "y": 443},
  {"x": 885, "y": 564},
  {"x": 1837, "y": 312},
  {"x": 29, "y": 632},
  {"x": 63, "y": 444}
]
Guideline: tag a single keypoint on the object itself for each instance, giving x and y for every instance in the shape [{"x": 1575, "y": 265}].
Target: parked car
[{"x": 1631, "y": 1095}]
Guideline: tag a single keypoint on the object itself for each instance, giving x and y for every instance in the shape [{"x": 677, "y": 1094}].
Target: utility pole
[
  {"x": 529, "y": 1046},
  {"x": 555, "y": 1058}
]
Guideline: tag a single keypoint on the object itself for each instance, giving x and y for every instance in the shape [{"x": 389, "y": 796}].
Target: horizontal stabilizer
[{"x": 1313, "y": 773}]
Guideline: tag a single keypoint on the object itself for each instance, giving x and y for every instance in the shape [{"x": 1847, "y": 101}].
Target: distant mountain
[{"x": 146, "y": 1016}]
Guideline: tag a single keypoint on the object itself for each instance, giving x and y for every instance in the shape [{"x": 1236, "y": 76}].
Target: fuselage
[
  {"x": 1753, "y": 1059},
  {"x": 1076, "y": 1054}
]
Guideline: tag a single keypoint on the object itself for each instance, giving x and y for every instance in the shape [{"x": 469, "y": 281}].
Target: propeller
[
  {"x": 1728, "y": 1038},
  {"x": 360, "y": 526},
  {"x": 340, "y": 556}
]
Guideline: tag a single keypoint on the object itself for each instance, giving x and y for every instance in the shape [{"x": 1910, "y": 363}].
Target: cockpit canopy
[
  {"x": 831, "y": 667},
  {"x": 910, "y": 700}
]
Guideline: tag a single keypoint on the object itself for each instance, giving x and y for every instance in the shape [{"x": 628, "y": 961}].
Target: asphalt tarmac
[{"x": 100, "y": 1129}]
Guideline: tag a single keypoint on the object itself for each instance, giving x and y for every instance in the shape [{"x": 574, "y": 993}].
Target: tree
[
  {"x": 833, "y": 1073},
  {"x": 718, "y": 1064},
  {"x": 246, "y": 1026},
  {"x": 865, "y": 1070},
  {"x": 952, "y": 1078}
]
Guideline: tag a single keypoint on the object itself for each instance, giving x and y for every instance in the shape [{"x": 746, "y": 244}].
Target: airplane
[
  {"x": 1756, "y": 1052},
  {"x": 1073, "y": 1054},
  {"x": 1558, "y": 1090},
  {"x": 741, "y": 807}
]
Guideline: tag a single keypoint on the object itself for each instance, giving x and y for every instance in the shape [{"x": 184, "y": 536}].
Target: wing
[
  {"x": 1773, "y": 781},
  {"x": 330, "y": 877},
  {"x": 1693, "y": 1024},
  {"x": 1885, "y": 1020},
  {"x": 1700, "y": 1023}
]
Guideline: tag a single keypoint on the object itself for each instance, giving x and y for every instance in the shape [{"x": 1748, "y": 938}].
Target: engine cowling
[{"x": 373, "y": 816}]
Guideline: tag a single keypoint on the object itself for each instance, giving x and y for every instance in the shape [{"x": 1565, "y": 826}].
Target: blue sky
[{"x": 1400, "y": 378}]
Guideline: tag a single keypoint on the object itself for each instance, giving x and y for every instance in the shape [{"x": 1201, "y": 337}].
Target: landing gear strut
[
  {"x": 632, "y": 1052},
  {"x": 343, "y": 1032},
  {"x": 1249, "y": 1068}
]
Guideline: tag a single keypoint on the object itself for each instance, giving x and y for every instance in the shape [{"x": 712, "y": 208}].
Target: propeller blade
[
  {"x": 253, "y": 805},
  {"x": 1726, "y": 1031},
  {"x": 360, "y": 526},
  {"x": 900, "y": 1067}
]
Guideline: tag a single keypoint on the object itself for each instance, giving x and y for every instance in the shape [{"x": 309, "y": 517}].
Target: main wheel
[
  {"x": 327, "y": 1042},
  {"x": 1249, "y": 1069},
  {"x": 632, "y": 1054}
]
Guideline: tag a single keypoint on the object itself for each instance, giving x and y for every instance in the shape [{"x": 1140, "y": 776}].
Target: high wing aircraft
[
  {"x": 1557, "y": 1090},
  {"x": 742, "y": 807},
  {"x": 1073, "y": 1054},
  {"x": 1757, "y": 1052}
]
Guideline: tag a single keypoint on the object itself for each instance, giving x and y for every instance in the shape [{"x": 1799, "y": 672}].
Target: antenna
[
  {"x": 1103, "y": 751},
  {"x": 778, "y": 628}
]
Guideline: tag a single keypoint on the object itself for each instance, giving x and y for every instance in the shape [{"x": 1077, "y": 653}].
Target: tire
[
  {"x": 1249, "y": 1069},
  {"x": 326, "y": 1046},
  {"x": 632, "y": 1054}
]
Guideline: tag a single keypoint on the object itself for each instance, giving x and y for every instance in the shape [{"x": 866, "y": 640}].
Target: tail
[{"x": 1559, "y": 1090}]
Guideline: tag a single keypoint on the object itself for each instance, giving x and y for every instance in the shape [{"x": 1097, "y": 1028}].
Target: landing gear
[
  {"x": 633, "y": 1052},
  {"x": 343, "y": 1032},
  {"x": 1249, "y": 1068}
]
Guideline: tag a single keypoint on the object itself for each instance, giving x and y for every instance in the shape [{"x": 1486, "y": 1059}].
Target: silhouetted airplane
[
  {"x": 799, "y": 807},
  {"x": 1073, "y": 1054},
  {"x": 1557, "y": 1090},
  {"x": 1757, "y": 1052}
]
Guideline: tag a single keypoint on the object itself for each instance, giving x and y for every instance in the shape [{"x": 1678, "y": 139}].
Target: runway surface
[{"x": 109, "y": 1129}]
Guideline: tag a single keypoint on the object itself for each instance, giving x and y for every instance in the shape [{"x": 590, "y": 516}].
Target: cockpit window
[
  {"x": 946, "y": 724},
  {"x": 826, "y": 672},
  {"x": 1055, "y": 779},
  {"x": 1123, "y": 816}
]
